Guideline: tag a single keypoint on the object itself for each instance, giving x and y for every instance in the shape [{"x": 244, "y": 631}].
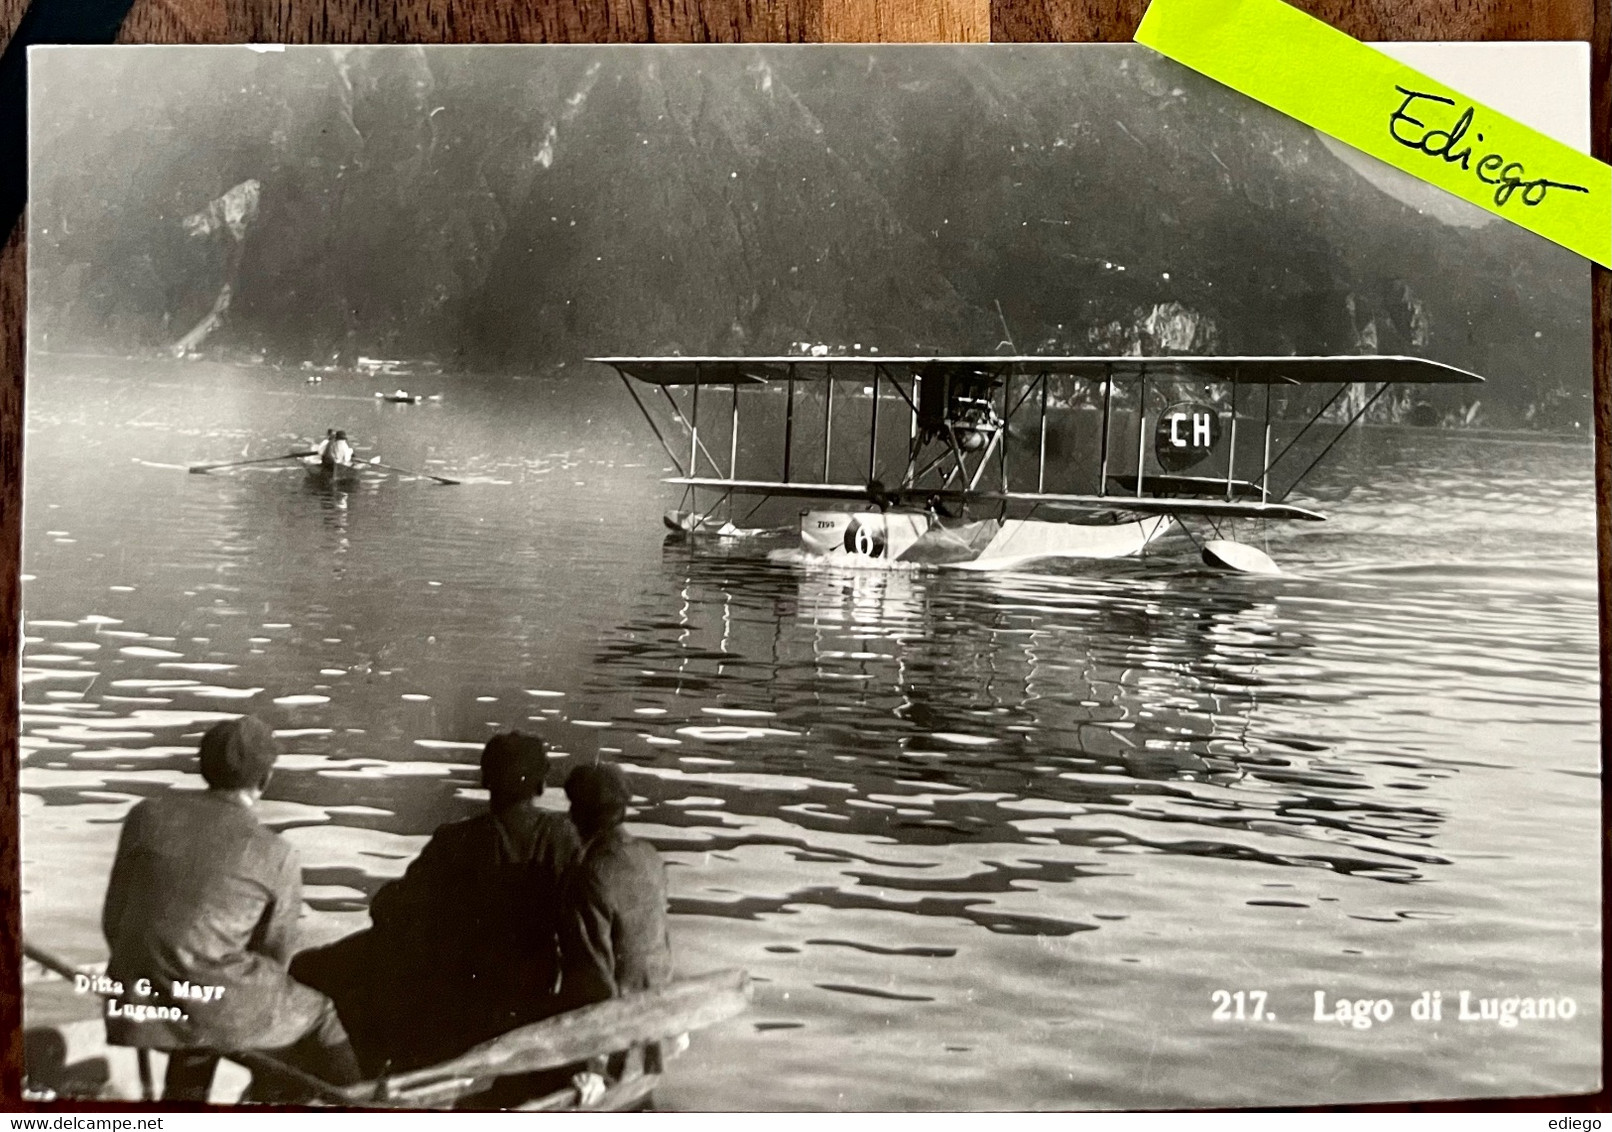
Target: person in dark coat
[
  {"x": 613, "y": 928},
  {"x": 463, "y": 945},
  {"x": 613, "y": 938},
  {"x": 201, "y": 913}
]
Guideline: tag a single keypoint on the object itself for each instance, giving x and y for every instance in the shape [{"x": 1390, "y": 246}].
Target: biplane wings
[
  {"x": 945, "y": 435},
  {"x": 1251, "y": 370}
]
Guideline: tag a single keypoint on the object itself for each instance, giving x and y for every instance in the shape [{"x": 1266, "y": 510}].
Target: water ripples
[{"x": 957, "y": 824}]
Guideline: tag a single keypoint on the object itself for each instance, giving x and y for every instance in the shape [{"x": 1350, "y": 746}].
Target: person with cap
[
  {"x": 201, "y": 914},
  {"x": 467, "y": 936},
  {"x": 613, "y": 937}
]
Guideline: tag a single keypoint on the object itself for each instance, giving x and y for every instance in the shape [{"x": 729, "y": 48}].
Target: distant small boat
[{"x": 404, "y": 397}]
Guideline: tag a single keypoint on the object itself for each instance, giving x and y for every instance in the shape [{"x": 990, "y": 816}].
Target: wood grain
[
  {"x": 1116, "y": 20},
  {"x": 461, "y": 21},
  {"x": 10, "y": 12},
  {"x": 902, "y": 21},
  {"x": 175, "y": 21},
  {"x": 720, "y": 21}
]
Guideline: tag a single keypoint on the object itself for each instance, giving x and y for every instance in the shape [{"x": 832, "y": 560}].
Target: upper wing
[{"x": 1253, "y": 370}]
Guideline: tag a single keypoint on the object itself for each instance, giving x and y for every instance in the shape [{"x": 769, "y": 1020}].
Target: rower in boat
[
  {"x": 337, "y": 453},
  {"x": 331, "y": 464}
]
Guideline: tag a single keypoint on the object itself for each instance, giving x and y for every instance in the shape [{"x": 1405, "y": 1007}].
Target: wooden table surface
[{"x": 723, "y": 21}]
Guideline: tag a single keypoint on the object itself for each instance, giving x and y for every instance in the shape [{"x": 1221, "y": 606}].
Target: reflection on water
[
  {"x": 1021, "y": 710},
  {"x": 985, "y": 840}
]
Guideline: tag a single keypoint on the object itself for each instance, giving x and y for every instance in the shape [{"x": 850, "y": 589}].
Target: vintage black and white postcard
[{"x": 860, "y": 577}]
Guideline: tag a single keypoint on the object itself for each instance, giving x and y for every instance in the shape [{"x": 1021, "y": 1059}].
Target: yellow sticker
[{"x": 1340, "y": 86}]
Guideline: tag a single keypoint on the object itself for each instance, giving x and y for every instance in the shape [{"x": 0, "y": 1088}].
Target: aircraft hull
[{"x": 912, "y": 537}]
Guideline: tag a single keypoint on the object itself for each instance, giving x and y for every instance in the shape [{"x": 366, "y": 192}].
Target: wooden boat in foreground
[{"x": 620, "y": 1023}]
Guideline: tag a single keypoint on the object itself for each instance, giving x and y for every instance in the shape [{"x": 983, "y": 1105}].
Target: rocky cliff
[{"x": 508, "y": 209}]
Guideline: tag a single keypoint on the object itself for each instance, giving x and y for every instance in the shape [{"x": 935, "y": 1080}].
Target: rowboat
[
  {"x": 340, "y": 476},
  {"x": 54, "y": 1060},
  {"x": 335, "y": 476},
  {"x": 402, "y": 397}
]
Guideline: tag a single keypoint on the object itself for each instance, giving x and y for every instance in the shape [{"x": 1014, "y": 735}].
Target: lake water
[{"x": 983, "y": 841}]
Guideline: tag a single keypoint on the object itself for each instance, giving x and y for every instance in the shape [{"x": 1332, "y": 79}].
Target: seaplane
[{"x": 993, "y": 462}]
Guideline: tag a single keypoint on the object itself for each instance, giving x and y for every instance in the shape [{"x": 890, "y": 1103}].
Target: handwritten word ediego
[{"x": 1491, "y": 169}]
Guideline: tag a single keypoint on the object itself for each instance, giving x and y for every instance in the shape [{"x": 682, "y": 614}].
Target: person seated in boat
[
  {"x": 464, "y": 945},
  {"x": 324, "y": 446},
  {"x": 201, "y": 914},
  {"x": 338, "y": 453},
  {"x": 613, "y": 936}
]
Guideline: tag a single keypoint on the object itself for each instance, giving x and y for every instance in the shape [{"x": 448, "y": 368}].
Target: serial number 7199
[{"x": 1240, "y": 1006}]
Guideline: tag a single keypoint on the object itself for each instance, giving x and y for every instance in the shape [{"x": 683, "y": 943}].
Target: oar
[
  {"x": 257, "y": 1062},
  {"x": 406, "y": 472},
  {"x": 203, "y": 469},
  {"x": 644, "y": 1016}
]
